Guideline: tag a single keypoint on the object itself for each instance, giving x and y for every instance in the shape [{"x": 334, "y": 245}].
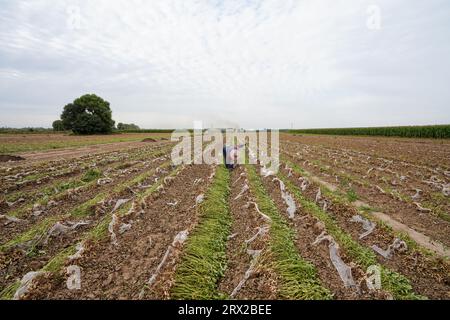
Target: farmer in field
[{"x": 230, "y": 156}]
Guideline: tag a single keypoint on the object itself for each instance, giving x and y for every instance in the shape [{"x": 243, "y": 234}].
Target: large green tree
[
  {"x": 58, "y": 125},
  {"x": 88, "y": 114}
]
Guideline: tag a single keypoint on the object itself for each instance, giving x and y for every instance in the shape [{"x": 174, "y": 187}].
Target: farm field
[
  {"x": 28, "y": 143},
  {"x": 116, "y": 214}
]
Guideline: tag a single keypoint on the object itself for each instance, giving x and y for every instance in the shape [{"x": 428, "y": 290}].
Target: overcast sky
[{"x": 277, "y": 63}]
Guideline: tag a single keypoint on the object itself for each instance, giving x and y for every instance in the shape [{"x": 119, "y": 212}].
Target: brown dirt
[
  {"x": 307, "y": 230},
  {"x": 110, "y": 272},
  {"x": 262, "y": 284},
  {"x": 405, "y": 212},
  {"x": 420, "y": 269},
  {"x": 8, "y": 158},
  {"x": 17, "y": 261},
  {"x": 67, "y": 202},
  {"x": 402, "y": 178},
  {"x": 430, "y": 152},
  {"x": 70, "y": 153},
  {"x": 31, "y": 191}
]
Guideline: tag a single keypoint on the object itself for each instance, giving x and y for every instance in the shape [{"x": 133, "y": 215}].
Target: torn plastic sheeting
[
  {"x": 261, "y": 231},
  {"x": 80, "y": 250},
  {"x": 200, "y": 198},
  {"x": 446, "y": 190},
  {"x": 240, "y": 176},
  {"x": 74, "y": 225},
  {"x": 255, "y": 255},
  {"x": 211, "y": 176},
  {"x": 59, "y": 229},
  {"x": 380, "y": 189},
  {"x": 168, "y": 179},
  {"x": 367, "y": 225},
  {"x": 104, "y": 181},
  {"x": 325, "y": 205},
  {"x": 318, "y": 195},
  {"x": 172, "y": 204},
  {"x": 10, "y": 219},
  {"x": 124, "y": 227},
  {"x": 133, "y": 209},
  {"x": 322, "y": 237},
  {"x": 266, "y": 173},
  {"x": 344, "y": 271},
  {"x": 282, "y": 185},
  {"x": 160, "y": 170},
  {"x": 141, "y": 186},
  {"x": 292, "y": 208},
  {"x": 119, "y": 203},
  {"x": 398, "y": 245},
  {"x": 421, "y": 208},
  {"x": 232, "y": 236},
  {"x": 111, "y": 227},
  {"x": 25, "y": 284},
  {"x": 179, "y": 239},
  {"x": 287, "y": 197},
  {"x": 10, "y": 204},
  {"x": 266, "y": 217},
  {"x": 244, "y": 189},
  {"x": 304, "y": 185},
  {"x": 289, "y": 173},
  {"x": 416, "y": 196}
]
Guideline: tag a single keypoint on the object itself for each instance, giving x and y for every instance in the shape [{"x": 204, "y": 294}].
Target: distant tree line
[
  {"x": 127, "y": 127},
  {"x": 435, "y": 131},
  {"x": 6, "y": 130}
]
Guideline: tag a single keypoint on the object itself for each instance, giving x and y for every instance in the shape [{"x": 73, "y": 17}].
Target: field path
[{"x": 70, "y": 153}]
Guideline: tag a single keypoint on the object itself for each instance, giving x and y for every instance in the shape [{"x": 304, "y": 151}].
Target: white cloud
[{"x": 256, "y": 63}]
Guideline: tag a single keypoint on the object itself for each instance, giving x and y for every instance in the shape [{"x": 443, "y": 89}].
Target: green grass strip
[
  {"x": 395, "y": 283},
  {"x": 299, "y": 279},
  {"x": 8, "y": 292},
  {"x": 204, "y": 260}
]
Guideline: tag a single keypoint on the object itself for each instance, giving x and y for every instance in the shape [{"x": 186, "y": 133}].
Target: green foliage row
[
  {"x": 204, "y": 261},
  {"x": 435, "y": 131},
  {"x": 127, "y": 127},
  {"x": 146, "y": 131},
  {"x": 6, "y": 130},
  {"x": 298, "y": 278}
]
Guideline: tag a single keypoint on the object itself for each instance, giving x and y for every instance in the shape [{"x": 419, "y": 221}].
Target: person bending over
[{"x": 230, "y": 156}]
